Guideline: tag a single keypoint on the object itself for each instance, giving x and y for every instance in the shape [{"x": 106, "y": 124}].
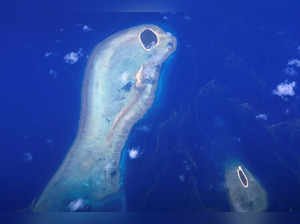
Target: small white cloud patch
[
  {"x": 47, "y": 54},
  {"x": 86, "y": 28},
  {"x": 294, "y": 62},
  {"x": 76, "y": 204},
  {"x": 186, "y": 165},
  {"x": 53, "y": 73},
  {"x": 290, "y": 70},
  {"x": 285, "y": 89},
  {"x": 261, "y": 117},
  {"x": 27, "y": 157},
  {"x": 292, "y": 66},
  {"x": 181, "y": 178},
  {"x": 287, "y": 111},
  {"x": 73, "y": 57},
  {"x": 49, "y": 141},
  {"x": 187, "y": 17},
  {"x": 133, "y": 153}
]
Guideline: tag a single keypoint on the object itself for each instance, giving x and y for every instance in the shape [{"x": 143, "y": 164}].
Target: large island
[{"x": 119, "y": 87}]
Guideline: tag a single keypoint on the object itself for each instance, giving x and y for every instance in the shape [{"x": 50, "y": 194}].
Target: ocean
[{"x": 228, "y": 95}]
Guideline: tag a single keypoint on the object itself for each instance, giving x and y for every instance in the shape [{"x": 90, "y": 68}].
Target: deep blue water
[{"x": 229, "y": 60}]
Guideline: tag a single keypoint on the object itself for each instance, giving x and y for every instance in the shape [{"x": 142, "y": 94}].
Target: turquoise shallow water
[{"x": 204, "y": 117}]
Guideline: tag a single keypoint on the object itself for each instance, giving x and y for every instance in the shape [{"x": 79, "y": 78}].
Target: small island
[
  {"x": 242, "y": 176},
  {"x": 245, "y": 192}
]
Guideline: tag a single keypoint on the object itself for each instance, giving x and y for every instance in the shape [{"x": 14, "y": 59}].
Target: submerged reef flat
[
  {"x": 245, "y": 192},
  {"x": 119, "y": 87}
]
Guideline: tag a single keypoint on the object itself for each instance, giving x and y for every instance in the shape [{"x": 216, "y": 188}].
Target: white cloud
[
  {"x": 186, "y": 165},
  {"x": 285, "y": 89},
  {"x": 47, "y": 54},
  {"x": 165, "y": 17},
  {"x": 287, "y": 111},
  {"x": 76, "y": 204},
  {"x": 86, "y": 28},
  {"x": 73, "y": 57},
  {"x": 261, "y": 117},
  {"x": 27, "y": 157},
  {"x": 181, "y": 177},
  {"x": 133, "y": 153},
  {"x": 294, "y": 62},
  {"x": 49, "y": 141},
  {"x": 53, "y": 73},
  {"x": 187, "y": 17},
  {"x": 289, "y": 70}
]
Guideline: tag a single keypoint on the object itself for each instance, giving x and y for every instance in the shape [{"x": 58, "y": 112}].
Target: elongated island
[
  {"x": 119, "y": 87},
  {"x": 245, "y": 192}
]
